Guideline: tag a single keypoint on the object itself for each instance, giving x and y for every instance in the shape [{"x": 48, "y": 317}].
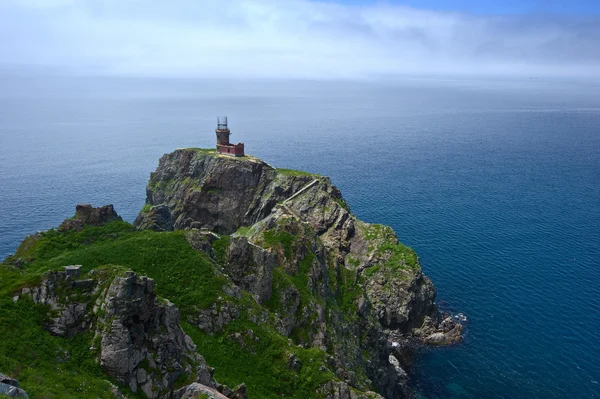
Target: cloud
[{"x": 292, "y": 38}]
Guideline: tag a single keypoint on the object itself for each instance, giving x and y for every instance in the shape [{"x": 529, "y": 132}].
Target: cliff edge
[
  {"x": 295, "y": 243},
  {"x": 234, "y": 274}
]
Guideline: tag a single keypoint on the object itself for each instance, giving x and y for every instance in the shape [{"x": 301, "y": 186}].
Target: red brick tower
[{"x": 223, "y": 145}]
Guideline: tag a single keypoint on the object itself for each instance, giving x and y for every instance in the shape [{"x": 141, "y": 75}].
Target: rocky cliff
[
  {"x": 198, "y": 189},
  {"x": 263, "y": 273},
  {"x": 295, "y": 244}
]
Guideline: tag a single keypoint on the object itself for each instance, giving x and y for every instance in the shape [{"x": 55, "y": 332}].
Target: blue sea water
[{"x": 495, "y": 183}]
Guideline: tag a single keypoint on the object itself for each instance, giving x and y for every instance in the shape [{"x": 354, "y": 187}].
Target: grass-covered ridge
[
  {"x": 186, "y": 277},
  {"x": 293, "y": 172}
]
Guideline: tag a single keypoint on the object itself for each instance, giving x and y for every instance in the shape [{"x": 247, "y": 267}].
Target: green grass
[
  {"x": 402, "y": 257},
  {"x": 292, "y": 172},
  {"x": 243, "y": 231},
  {"x": 282, "y": 239},
  {"x": 47, "y": 366},
  {"x": 184, "y": 276},
  {"x": 261, "y": 364},
  {"x": 203, "y": 150},
  {"x": 53, "y": 367},
  {"x": 220, "y": 247}
]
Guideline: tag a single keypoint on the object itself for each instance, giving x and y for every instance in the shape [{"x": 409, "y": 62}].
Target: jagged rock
[
  {"x": 201, "y": 240},
  {"x": 294, "y": 363},
  {"x": 158, "y": 218},
  {"x": 67, "y": 300},
  {"x": 447, "y": 332},
  {"x": 142, "y": 344},
  {"x": 341, "y": 390},
  {"x": 10, "y": 387},
  {"x": 219, "y": 193},
  {"x": 196, "y": 390},
  {"x": 4, "y": 379},
  {"x": 238, "y": 392},
  {"x": 12, "y": 392},
  {"x": 251, "y": 267},
  {"x": 73, "y": 271},
  {"x": 299, "y": 225},
  {"x": 86, "y": 215},
  {"x": 401, "y": 303},
  {"x": 215, "y": 318}
]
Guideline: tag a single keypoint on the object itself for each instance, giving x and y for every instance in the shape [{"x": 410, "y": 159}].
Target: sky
[{"x": 303, "y": 38}]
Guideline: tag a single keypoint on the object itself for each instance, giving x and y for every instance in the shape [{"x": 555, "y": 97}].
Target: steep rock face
[
  {"x": 142, "y": 344},
  {"x": 68, "y": 298},
  {"x": 197, "y": 188},
  {"x": 137, "y": 335},
  {"x": 401, "y": 296},
  {"x": 251, "y": 268},
  {"x": 327, "y": 279}
]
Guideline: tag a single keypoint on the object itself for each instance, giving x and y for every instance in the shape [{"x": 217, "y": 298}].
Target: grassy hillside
[{"x": 53, "y": 367}]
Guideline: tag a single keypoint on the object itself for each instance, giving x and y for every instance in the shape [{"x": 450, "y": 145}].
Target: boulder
[{"x": 10, "y": 387}]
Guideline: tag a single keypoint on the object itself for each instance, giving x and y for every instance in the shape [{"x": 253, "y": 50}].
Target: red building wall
[{"x": 236, "y": 150}]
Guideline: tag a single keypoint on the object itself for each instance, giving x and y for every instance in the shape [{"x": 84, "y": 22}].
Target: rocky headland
[{"x": 237, "y": 280}]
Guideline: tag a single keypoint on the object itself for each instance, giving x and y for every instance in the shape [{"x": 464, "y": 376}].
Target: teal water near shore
[{"x": 495, "y": 183}]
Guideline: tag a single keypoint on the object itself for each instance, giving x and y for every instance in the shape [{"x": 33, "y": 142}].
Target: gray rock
[
  {"x": 201, "y": 240},
  {"x": 4, "y": 379},
  {"x": 158, "y": 218},
  {"x": 327, "y": 248},
  {"x": 67, "y": 317},
  {"x": 10, "y": 387},
  {"x": 251, "y": 267},
  {"x": 73, "y": 271},
  {"x": 207, "y": 191},
  {"x": 195, "y": 390},
  {"x": 86, "y": 215},
  {"x": 138, "y": 330},
  {"x": 140, "y": 342},
  {"x": 12, "y": 391}
]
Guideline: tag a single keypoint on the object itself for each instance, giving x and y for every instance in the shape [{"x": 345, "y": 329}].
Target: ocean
[{"x": 495, "y": 183}]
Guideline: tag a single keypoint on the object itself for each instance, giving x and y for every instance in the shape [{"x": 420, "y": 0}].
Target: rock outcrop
[
  {"x": 141, "y": 342},
  {"x": 297, "y": 247},
  {"x": 90, "y": 216},
  {"x": 285, "y": 267},
  {"x": 198, "y": 189},
  {"x": 138, "y": 339},
  {"x": 10, "y": 387}
]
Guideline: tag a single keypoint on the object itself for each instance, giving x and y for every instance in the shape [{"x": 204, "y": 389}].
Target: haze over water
[{"x": 495, "y": 183}]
